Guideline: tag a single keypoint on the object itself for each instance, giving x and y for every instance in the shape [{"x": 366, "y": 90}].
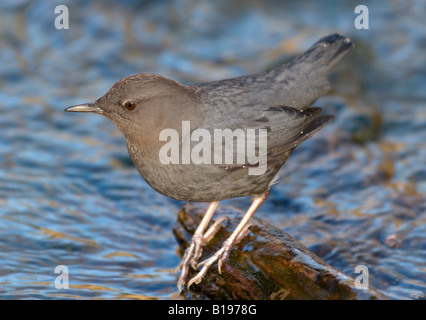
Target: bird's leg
[
  {"x": 223, "y": 253},
  {"x": 193, "y": 252},
  {"x": 206, "y": 237}
]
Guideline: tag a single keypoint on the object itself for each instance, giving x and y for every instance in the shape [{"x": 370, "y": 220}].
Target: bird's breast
[{"x": 190, "y": 181}]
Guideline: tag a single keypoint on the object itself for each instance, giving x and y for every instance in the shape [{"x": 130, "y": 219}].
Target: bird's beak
[{"x": 86, "y": 107}]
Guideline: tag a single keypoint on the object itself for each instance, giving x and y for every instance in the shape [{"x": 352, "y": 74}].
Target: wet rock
[{"x": 266, "y": 264}]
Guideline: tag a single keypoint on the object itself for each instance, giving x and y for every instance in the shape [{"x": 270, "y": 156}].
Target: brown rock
[{"x": 266, "y": 264}]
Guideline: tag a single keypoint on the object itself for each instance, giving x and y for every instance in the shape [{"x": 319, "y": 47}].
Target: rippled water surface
[{"x": 69, "y": 194}]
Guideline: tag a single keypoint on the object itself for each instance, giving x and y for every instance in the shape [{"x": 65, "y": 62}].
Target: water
[{"x": 69, "y": 194}]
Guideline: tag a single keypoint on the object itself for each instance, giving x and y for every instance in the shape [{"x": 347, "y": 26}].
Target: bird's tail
[
  {"x": 304, "y": 79},
  {"x": 326, "y": 52}
]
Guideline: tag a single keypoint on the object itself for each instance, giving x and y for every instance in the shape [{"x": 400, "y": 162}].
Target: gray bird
[{"x": 181, "y": 138}]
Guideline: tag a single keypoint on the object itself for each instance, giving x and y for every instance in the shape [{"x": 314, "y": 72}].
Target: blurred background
[{"x": 354, "y": 194}]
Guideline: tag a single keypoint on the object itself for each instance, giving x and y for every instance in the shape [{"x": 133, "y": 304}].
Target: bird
[{"x": 184, "y": 140}]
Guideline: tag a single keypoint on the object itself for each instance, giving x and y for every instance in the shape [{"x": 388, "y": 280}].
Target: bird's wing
[
  {"x": 281, "y": 128},
  {"x": 289, "y": 127}
]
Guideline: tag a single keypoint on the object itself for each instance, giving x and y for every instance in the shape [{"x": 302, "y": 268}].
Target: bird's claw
[
  {"x": 194, "y": 252},
  {"x": 219, "y": 257}
]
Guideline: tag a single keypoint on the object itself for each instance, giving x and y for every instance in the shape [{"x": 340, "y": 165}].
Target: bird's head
[{"x": 143, "y": 104}]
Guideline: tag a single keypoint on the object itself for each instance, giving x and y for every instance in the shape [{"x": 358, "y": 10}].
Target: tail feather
[{"x": 304, "y": 79}]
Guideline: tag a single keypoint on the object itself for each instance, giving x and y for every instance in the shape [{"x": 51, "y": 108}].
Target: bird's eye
[{"x": 129, "y": 105}]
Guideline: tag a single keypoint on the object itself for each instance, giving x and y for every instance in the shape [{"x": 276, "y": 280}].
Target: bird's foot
[
  {"x": 195, "y": 250},
  {"x": 220, "y": 256}
]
